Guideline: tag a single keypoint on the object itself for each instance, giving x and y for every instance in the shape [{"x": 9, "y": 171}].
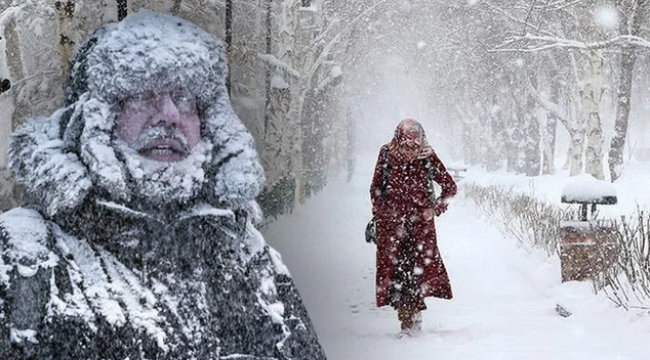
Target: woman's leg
[{"x": 406, "y": 296}]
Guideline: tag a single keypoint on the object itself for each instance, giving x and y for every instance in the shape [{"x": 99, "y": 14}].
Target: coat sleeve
[
  {"x": 375, "y": 186},
  {"x": 25, "y": 271},
  {"x": 299, "y": 341},
  {"x": 443, "y": 178}
]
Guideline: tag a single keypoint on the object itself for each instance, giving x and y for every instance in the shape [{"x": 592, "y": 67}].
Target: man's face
[{"x": 162, "y": 126}]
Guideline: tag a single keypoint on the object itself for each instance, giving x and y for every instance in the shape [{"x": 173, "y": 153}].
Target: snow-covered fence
[{"x": 535, "y": 223}]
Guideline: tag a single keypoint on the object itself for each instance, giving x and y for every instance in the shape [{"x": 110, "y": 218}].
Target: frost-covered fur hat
[{"x": 62, "y": 159}]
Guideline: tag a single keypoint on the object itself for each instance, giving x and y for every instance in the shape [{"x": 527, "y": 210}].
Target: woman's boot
[
  {"x": 417, "y": 322},
  {"x": 405, "y": 316}
]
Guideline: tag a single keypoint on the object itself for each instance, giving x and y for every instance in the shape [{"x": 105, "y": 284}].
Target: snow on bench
[{"x": 586, "y": 189}]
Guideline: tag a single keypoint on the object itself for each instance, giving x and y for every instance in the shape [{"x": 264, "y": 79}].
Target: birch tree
[{"x": 588, "y": 71}]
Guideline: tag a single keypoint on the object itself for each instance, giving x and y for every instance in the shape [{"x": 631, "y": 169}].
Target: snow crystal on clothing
[
  {"x": 97, "y": 148},
  {"x": 207, "y": 210},
  {"x": 95, "y": 281},
  {"x": 138, "y": 301},
  {"x": 26, "y": 243},
  {"x": 586, "y": 188},
  {"x": 55, "y": 177},
  {"x": 18, "y": 336}
]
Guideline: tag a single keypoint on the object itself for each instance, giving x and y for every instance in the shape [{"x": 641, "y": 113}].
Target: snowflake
[{"x": 606, "y": 16}]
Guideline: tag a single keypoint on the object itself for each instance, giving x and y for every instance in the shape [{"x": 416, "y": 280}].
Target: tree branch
[
  {"x": 551, "y": 42},
  {"x": 515, "y": 19},
  {"x": 530, "y": 12}
]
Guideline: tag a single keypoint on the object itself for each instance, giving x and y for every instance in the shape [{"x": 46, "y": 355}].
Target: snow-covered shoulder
[{"x": 24, "y": 235}]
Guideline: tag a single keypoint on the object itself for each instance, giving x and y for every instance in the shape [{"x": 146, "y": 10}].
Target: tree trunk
[
  {"x": 6, "y": 110},
  {"x": 268, "y": 46},
  {"x": 176, "y": 7},
  {"x": 512, "y": 134},
  {"x": 495, "y": 153},
  {"x": 6, "y": 100},
  {"x": 470, "y": 145},
  {"x": 228, "y": 38},
  {"x": 567, "y": 159},
  {"x": 548, "y": 122},
  {"x": 628, "y": 58},
  {"x": 16, "y": 69},
  {"x": 576, "y": 150},
  {"x": 624, "y": 98},
  {"x": 531, "y": 140},
  {"x": 591, "y": 96},
  {"x": 66, "y": 45},
  {"x": 550, "y": 134}
]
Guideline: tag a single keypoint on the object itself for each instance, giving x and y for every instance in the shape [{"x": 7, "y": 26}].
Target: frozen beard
[{"x": 160, "y": 182}]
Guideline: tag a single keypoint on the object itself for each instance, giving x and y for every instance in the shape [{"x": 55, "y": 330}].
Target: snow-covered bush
[
  {"x": 530, "y": 221},
  {"x": 536, "y": 224},
  {"x": 629, "y": 278}
]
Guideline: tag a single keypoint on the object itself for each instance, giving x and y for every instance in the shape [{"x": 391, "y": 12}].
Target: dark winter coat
[
  {"x": 88, "y": 270},
  {"x": 402, "y": 229}
]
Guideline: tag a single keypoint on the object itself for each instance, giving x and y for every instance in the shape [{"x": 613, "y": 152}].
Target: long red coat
[{"x": 399, "y": 218}]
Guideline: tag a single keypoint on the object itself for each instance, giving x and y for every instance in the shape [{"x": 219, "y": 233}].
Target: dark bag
[
  {"x": 371, "y": 231},
  {"x": 371, "y": 228}
]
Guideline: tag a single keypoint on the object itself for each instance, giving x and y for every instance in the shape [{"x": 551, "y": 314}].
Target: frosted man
[{"x": 137, "y": 238}]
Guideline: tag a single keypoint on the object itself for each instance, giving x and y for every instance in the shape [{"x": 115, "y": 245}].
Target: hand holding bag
[{"x": 371, "y": 231}]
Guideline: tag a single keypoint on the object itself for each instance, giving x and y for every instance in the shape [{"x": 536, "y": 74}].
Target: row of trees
[
  {"x": 579, "y": 59},
  {"x": 513, "y": 72},
  {"x": 282, "y": 66}
]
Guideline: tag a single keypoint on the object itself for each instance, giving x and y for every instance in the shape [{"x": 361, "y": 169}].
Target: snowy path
[{"x": 504, "y": 305}]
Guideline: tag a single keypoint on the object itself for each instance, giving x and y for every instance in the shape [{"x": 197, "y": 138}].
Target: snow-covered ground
[{"x": 505, "y": 297}]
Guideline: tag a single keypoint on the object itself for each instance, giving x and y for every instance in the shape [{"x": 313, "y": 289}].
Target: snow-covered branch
[
  {"x": 333, "y": 77},
  {"x": 534, "y": 43},
  {"x": 558, "y": 5},
  {"x": 279, "y": 66},
  {"x": 548, "y": 105},
  {"x": 326, "y": 50},
  {"x": 321, "y": 37}
]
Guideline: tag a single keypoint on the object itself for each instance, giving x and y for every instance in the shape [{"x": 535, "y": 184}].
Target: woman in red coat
[{"x": 409, "y": 266}]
